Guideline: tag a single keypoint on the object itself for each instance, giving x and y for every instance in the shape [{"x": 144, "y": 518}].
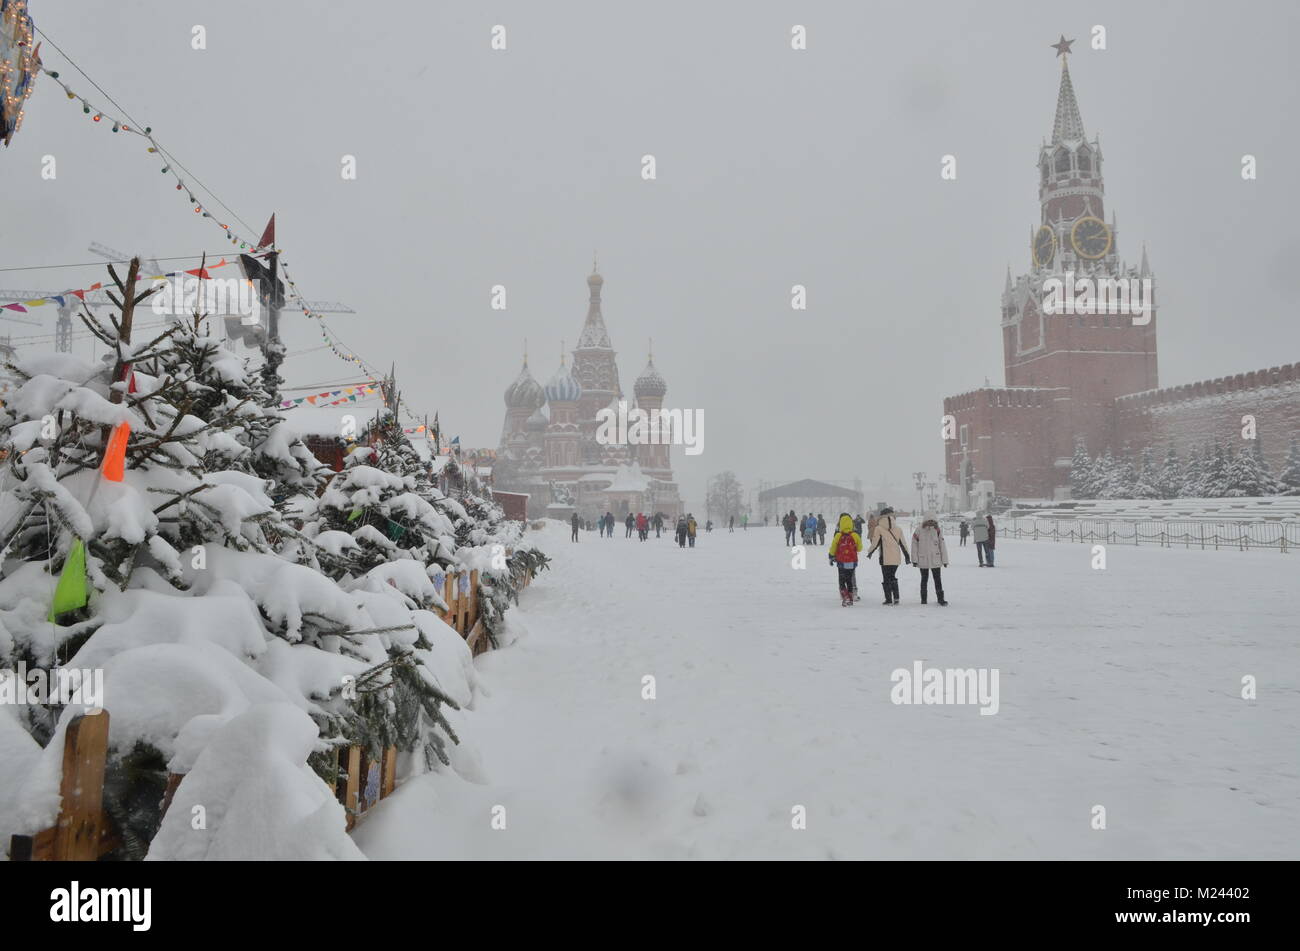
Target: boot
[
  {"x": 889, "y": 592},
  {"x": 895, "y": 586}
]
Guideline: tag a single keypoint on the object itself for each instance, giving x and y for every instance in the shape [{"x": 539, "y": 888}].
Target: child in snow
[
  {"x": 930, "y": 553},
  {"x": 845, "y": 545},
  {"x": 888, "y": 537}
]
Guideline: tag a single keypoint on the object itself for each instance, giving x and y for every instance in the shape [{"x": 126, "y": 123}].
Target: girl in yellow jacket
[
  {"x": 888, "y": 538},
  {"x": 845, "y": 545}
]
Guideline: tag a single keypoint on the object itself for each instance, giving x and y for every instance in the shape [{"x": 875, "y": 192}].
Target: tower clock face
[
  {"x": 1044, "y": 246},
  {"x": 1091, "y": 238}
]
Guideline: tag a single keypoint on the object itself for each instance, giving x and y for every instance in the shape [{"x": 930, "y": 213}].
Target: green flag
[{"x": 71, "y": 592}]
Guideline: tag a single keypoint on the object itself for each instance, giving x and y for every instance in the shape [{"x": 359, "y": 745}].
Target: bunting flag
[
  {"x": 71, "y": 592},
  {"x": 266, "y": 245},
  {"x": 200, "y": 272},
  {"x": 348, "y": 394},
  {"x": 115, "y": 455}
]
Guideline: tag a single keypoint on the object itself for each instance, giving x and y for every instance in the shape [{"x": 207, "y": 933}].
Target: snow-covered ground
[{"x": 1118, "y": 687}]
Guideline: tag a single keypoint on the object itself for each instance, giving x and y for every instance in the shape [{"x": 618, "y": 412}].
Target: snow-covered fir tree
[
  {"x": 1081, "y": 473},
  {"x": 1169, "y": 480},
  {"x": 1146, "y": 478},
  {"x": 1248, "y": 474},
  {"x": 144, "y": 531}
]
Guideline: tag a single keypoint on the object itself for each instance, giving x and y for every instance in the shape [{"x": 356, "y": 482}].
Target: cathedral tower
[{"x": 594, "y": 367}]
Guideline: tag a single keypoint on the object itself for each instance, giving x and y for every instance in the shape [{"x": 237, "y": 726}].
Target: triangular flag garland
[
  {"x": 71, "y": 592},
  {"x": 347, "y": 395},
  {"x": 115, "y": 454}
]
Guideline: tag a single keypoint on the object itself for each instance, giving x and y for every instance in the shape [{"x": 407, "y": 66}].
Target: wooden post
[
  {"x": 352, "y": 784},
  {"x": 173, "y": 781},
  {"x": 81, "y": 815},
  {"x": 388, "y": 772},
  {"x": 473, "y": 600}
]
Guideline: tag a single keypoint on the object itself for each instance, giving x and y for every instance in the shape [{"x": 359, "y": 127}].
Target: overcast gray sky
[{"x": 775, "y": 167}]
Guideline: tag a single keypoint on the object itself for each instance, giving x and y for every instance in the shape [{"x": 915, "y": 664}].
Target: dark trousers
[
  {"x": 789, "y": 536},
  {"x": 629, "y": 532},
  {"x": 963, "y": 540},
  {"x": 984, "y": 552},
  {"x": 848, "y": 579},
  {"x": 889, "y": 581},
  {"x": 925, "y": 583},
  {"x": 575, "y": 533},
  {"x": 691, "y": 538},
  {"x": 681, "y": 539},
  {"x": 658, "y": 529}
]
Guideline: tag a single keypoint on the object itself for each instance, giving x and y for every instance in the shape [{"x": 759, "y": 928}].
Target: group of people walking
[
  {"x": 929, "y": 551},
  {"x": 640, "y": 524},
  {"x": 811, "y": 529}
]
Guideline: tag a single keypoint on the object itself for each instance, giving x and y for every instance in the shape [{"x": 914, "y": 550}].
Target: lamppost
[
  {"x": 919, "y": 478},
  {"x": 934, "y": 495}
]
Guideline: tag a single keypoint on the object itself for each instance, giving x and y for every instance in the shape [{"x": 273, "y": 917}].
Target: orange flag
[{"x": 115, "y": 454}]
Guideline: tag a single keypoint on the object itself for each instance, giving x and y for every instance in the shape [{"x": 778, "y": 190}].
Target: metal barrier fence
[{"x": 1280, "y": 536}]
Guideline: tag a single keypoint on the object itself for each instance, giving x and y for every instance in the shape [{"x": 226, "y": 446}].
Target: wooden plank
[
  {"x": 473, "y": 600},
  {"x": 173, "y": 781},
  {"x": 81, "y": 815},
  {"x": 478, "y": 640},
  {"x": 388, "y": 772},
  {"x": 352, "y": 783}
]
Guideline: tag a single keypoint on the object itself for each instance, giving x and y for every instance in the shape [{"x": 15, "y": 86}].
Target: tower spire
[{"x": 1069, "y": 124}]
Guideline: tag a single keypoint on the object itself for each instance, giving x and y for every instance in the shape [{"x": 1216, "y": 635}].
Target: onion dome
[
  {"x": 563, "y": 388},
  {"x": 524, "y": 392},
  {"x": 537, "y": 422},
  {"x": 650, "y": 383}
]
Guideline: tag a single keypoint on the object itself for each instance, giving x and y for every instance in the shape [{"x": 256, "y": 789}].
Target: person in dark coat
[
  {"x": 681, "y": 531},
  {"x": 963, "y": 533},
  {"x": 573, "y": 521},
  {"x": 821, "y": 529},
  {"x": 659, "y": 523},
  {"x": 992, "y": 542},
  {"x": 630, "y": 522}
]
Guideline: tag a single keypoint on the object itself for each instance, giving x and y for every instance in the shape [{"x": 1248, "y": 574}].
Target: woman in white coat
[
  {"x": 887, "y": 537},
  {"x": 930, "y": 553}
]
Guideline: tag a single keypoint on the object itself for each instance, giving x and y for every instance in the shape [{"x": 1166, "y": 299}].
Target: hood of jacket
[{"x": 846, "y": 524}]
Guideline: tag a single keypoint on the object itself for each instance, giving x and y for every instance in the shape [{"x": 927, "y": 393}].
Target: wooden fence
[{"x": 83, "y": 831}]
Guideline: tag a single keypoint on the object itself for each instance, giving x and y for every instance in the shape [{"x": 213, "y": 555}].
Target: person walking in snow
[
  {"x": 731, "y": 524},
  {"x": 930, "y": 554},
  {"x": 858, "y": 522},
  {"x": 993, "y": 539},
  {"x": 744, "y": 522},
  {"x": 573, "y": 521},
  {"x": 843, "y": 554},
  {"x": 821, "y": 529},
  {"x": 963, "y": 533},
  {"x": 630, "y": 522},
  {"x": 787, "y": 523},
  {"x": 659, "y": 523},
  {"x": 642, "y": 526},
  {"x": 888, "y": 539},
  {"x": 681, "y": 531},
  {"x": 979, "y": 530},
  {"x": 692, "y": 527},
  {"x": 708, "y": 527}
]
